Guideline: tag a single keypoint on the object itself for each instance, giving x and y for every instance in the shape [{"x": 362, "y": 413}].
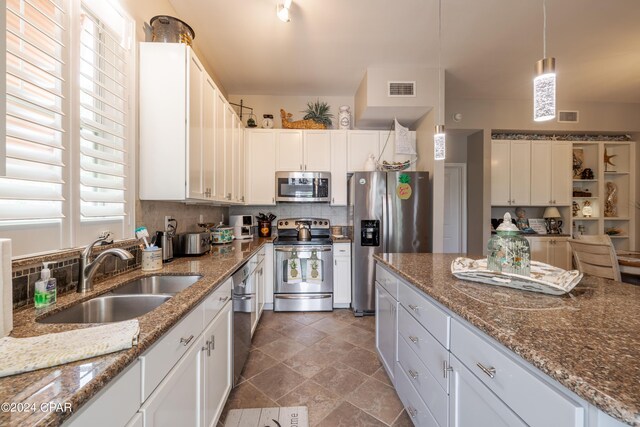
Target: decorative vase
[
  {"x": 344, "y": 117},
  {"x": 508, "y": 251}
]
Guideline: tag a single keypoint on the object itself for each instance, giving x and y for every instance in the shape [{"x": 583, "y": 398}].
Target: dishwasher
[{"x": 244, "y": 309}]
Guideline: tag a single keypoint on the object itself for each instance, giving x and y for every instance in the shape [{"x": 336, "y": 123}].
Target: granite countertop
[
  {"x": 75, "y": 383},
  {"x": 589, "y": 341},
  {"x": 343, "y": 239}
]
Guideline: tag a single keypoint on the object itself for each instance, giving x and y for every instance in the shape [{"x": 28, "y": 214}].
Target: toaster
[{"x": 194, "y": 243}]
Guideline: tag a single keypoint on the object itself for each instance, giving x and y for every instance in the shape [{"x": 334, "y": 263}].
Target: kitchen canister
[
  {"x": 151, "y": 259},
  {"x": 508, "y": 251},
  {"x": 344, "y": 117}
]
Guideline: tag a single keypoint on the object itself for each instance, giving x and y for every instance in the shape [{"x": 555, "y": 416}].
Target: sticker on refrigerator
[{"x": 403, "y": 190}]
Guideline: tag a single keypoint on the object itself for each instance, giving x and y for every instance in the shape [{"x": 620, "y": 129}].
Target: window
[{"x": 68, "y": 123}]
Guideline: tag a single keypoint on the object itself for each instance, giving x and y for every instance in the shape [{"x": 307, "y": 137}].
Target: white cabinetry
[
  {"x": 360, "y": 145},
  {"x": 220, "y": 161},
  {"x": 303, "y": 151},
  {"x": 268, "y": 276},
  {"x": 551, "y": 250},
  {"x": 551, "y": 173},
  {"x": 386, "y": 327},
  {"x": 216, "y": 366},
  {"x": 261, "y": 167},
  {"x": 339, "y": 168},
  {"x": 341, "y": 275},
  {"x": 510, "y": 173}
]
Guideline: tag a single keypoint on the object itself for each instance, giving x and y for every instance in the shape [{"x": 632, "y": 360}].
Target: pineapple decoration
[
  {"x": 314, "y": 265},
  {"x": 403, "y": 190},
  {"x": 293, "y": 268},
  {"x": 318, "y": 112}
]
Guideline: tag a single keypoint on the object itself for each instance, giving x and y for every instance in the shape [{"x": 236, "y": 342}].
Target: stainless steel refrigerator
[{"x": 389, "y": 212}]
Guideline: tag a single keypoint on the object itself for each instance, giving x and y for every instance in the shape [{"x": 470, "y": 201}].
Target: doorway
[{"x": 455, "y": 208}]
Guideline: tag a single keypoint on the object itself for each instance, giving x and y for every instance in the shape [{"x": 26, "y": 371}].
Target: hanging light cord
[
  {"x": 544, "y": 28},
  {"x": 441, "y": 113}
]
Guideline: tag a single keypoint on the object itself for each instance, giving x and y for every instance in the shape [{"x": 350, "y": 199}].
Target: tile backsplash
[
  {"x": 337, "y": 215},
  {"x": 65, "y": 267}
]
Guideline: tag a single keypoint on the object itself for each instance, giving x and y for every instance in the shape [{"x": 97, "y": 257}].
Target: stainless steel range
[{"x": 304, "y": 265}]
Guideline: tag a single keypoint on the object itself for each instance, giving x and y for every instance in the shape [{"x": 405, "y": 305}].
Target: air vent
[
  {"x": 567, "y": 117},
  {"x": 402, "y": 89}
]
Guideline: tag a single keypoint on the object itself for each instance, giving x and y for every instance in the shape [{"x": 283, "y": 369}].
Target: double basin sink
[{"x": 130, "y": 300}]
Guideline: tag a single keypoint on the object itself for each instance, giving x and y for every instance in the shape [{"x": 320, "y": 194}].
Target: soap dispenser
[
  {"x": 45, "y": 289},
  {"x": 508, "y": 251}
]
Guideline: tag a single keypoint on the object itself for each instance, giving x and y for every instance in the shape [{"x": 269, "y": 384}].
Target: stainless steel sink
[
  {"x": 110, "y": 308},
  {"x": 157, "y": 285}
]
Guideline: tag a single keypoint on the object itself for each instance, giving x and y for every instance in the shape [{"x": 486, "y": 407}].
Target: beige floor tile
[
  {"x": 307, "y": 318},
  {"x": 339, "y": 378},
  {"x": 359, "y": 336},
  {"x": 333, "y": 348},
  {"x": 403, "y": 420},
  {"x": 309, "y": 362},
  {"x": 282, "y": 348},
  {"x": 317, "y": 399},
  {"x": 287, "y": 326},
  {"x": 329, "y": 325},
  {"x": 377, "y": 399},
  {"x": 264, "y": 336},
  {"x": 306, "y": 335},
  {"x": 277, "y": 381},
  {"x": 347, "y": 415},
  {"x": 366, "y": 322},
  {"x": 363, "y": 360},
  {"x": 381, "y": 375},
  {"x": 246, "y": 395},
  {"x": 344, "y": 315},
  {"x": 257, "y": 362}
]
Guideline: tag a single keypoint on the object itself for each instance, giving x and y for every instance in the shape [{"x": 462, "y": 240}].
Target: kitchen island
[
  {"x": 587, "y": 342},
  {"x": 74, "y": 384}
]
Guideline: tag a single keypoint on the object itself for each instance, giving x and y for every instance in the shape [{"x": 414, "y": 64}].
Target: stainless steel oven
[{"x": 303, "y": 187}]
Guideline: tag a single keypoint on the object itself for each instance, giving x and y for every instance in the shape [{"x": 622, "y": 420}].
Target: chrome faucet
[{"x": 88, "y": 269}]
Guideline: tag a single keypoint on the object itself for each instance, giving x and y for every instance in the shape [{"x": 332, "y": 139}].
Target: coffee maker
[
  {"x": 241, "y": 226},
  {"x": 164, "y": 240}
]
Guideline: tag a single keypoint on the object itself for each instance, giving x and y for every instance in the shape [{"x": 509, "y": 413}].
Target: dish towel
[
  {"x": 6, "y": 288},
  {"x": 18, "y": 355},
  {"x": 314, "y": 270},
  {"x": 294, "y": 271}
]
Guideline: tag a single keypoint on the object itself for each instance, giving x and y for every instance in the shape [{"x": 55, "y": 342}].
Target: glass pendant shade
[
  {"x": 544, "y": 90},
  {"x": 282, "y": 10},
  {"x": 439, "y": 146}
]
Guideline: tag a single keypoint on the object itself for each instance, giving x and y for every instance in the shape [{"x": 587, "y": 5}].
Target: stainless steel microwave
[{"x": 303, "y": 187}]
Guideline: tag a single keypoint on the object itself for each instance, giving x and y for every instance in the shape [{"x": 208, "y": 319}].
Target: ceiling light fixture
[
  {"x": 439, "y": 139},
  {"x": 282, "y": 10},
  {"x": 544, "y": 84}
]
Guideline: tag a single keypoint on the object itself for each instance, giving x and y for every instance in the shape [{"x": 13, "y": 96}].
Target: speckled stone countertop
[
  {"x": 343, "y": 239},
  {"x": 588, "y": 341},
  {"x": 77, "y": 382}
]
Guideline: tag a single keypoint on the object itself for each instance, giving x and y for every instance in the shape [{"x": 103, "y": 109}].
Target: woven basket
[{"x": 298, "y": 124}]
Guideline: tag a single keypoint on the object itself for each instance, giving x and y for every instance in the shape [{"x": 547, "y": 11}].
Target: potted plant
[{"x": 318, "y": 112}]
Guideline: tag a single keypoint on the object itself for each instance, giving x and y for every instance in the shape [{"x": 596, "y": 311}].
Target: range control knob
[
  {"x": 286, "y": 223},
  {"x": 280, "y": 223},
  {"x": 315, "y": 222}
]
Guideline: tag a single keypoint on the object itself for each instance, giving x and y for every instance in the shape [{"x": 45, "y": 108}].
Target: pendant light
[
  {"x": 439, "y": 140},
  {"x": 544, "y": 84},
  {"x": 282, "y": 10}
]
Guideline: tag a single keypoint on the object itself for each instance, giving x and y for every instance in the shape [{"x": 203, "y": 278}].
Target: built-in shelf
[
  {"x": 615, "y": 173},
  {"x": 619, "y": 236},
  {"x": 585, "y": 198},
  {"x": 580, "y": 218},
  {"x": 585, "y": 180},
  {"x": 617, "y": 218}
]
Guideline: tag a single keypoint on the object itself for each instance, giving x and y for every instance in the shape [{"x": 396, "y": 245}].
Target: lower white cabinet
[
  {"x": 471, "y": 404},
  {"x": 341, "y": 275},
  {"x": 386, "y": 329},
  {"x": 136, "y": 421},
  {"x": 551, "y": 250},
  {"x": 268, "y": 275},
  {"x": 216, "y": 366}
]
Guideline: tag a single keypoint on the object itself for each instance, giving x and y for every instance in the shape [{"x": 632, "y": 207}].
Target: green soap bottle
[{"x": 45, "y": 289}]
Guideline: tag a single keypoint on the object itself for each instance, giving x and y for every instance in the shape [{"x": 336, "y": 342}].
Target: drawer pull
[
  {"x": 186, "y": 341},
  {"x": 414, "y": 339},
  {"x": 223, "y": 299},
  {"x": 413, "y": 307},
  {"x": 207, "y": 348},
  {"x": 414, "y": 374},
  {"x": 412, "y": 411},
  {"x": 491, "y": 372},
  {"x": 446, "y": 368}
]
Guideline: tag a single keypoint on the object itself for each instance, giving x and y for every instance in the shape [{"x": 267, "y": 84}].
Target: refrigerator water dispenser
[{"x": 370, "y": 234}]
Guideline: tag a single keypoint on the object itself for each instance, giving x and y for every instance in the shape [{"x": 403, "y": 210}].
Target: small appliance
[
  {"x": 303, "y": 187},
  {"x": 221, "y": 235},
  {"x": 164, "y": 240},
  {"x": 241, "y": 225},
  {"x": 195, "y": 243}
]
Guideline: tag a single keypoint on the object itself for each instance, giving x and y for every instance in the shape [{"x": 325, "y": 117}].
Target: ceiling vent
[
  {"x": 567, "y": 117},
  {"x": 401, "y": 89}
]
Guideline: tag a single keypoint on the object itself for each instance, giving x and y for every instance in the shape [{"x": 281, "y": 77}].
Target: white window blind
[
  {"x": 33, "y": 186},
  {"x": 104, "y": 110}
]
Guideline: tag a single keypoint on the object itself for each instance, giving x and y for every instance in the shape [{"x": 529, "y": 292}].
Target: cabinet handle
[
  {"x": 301, "y": 166},
  {"x": 414, "y": 374},
  {"x": 333, "y": 200},
  {"x": 229, "y": 196},
  {"x": 491, "y": 372},
  {"x": 335, "y": 262},
  {"x": 273, "y": 200},
  {"x": 213, "y": 342},
  {"x": 223, "y": 299},
  {"x": 207, "y": 348},
  {"x": 186, "y": 341},
  {"x": 413, "y": 307},
  {"x": 412, "y": 411},
  {"x": 414, "y": 339},
  {"x": 446, "y": 368}
]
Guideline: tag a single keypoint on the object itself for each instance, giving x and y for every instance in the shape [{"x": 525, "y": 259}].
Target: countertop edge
[{"x": 606, "y": 403}]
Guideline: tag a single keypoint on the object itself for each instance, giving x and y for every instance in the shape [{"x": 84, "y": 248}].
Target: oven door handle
[
  {"x": 304, "y": 249},
  {"x": 323, "y": 296}
]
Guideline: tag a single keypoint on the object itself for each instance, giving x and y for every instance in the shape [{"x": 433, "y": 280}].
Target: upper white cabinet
[
  {"x": 338, "y": 168},
  {"x": 303, "y": 151},
  {"x": 188, "y": 131},
  {"x": 510, "y": 173},
  {"x": 551, "y": 169},
  {"x": 361, "y": 144},
  {"x": 261, "y": 167}
]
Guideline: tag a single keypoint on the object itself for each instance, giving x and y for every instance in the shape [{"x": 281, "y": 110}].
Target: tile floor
[{"x": 325, "y": 361}]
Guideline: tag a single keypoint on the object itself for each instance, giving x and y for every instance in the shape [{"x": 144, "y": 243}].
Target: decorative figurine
[
  {"x": 587, "y": 174},
  {"x": 611, "y": 204},
  {"x": 607, "y": 160},
  {"x": 575, "y": 209},
  {"x": 522, "y": 222},
  {"x": 508, "y": 252},
  {"x": 587, "y": 210},
  {"x": 578, "y": 160}
]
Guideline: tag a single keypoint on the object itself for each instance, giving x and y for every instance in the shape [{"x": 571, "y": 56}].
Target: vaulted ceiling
[{"x": 489, "y": 47}]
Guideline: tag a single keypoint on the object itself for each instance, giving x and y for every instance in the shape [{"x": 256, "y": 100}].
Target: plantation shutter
[
  {"x": 35, "y": 134},
  {"x": 103, "y": 85}
]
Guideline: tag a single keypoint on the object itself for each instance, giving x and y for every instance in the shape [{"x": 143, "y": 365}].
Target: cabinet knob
[
  {"x": 413, "y": 374},
  {"x": 186, "y": 341},
  {"x": 414, "y": 339},
  {"x": 413, "y": 307},
  {"x": 301, "y": 166},
  {"x": 413, "y": 412},
  {"x": 491, "y": 371},
  {"x": 223, "y": 299}
]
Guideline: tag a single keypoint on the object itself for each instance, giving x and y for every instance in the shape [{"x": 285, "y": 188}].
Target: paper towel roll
[{"x": 6, "y": 288}]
